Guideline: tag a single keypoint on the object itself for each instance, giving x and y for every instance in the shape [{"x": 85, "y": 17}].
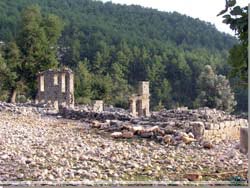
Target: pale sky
[{"x": 205, "y": 10}]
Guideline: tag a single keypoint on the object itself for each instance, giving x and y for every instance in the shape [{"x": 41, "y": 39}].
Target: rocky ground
[{"x": 37, "y": 147}]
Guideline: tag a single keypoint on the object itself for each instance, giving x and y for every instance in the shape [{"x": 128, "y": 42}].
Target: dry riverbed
[{"x": 42, "y": 148}]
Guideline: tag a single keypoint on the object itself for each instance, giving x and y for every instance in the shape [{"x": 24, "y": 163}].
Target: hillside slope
[{"x": 117, "y": 46}]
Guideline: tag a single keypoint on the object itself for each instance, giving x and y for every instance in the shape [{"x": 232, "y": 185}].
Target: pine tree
[{"x": 38, "y": 43}]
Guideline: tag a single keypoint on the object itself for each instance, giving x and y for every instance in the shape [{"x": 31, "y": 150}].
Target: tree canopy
[
  {"x": 237, "y": 18},
  {"x": 33, "y": 50}
]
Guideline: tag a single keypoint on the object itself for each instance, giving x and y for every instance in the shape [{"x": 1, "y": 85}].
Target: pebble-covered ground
[{"x": 37, "y": 148}]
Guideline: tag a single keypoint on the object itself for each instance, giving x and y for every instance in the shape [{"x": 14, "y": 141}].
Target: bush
[{"x": 215, "y": 91}]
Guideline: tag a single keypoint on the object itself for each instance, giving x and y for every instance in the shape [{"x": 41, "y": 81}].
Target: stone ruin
[
  {"x": 139, "y": 103},
  {"x": 97, "y": 105},
  {"x": 56, "y": 87},
  {"x": 244, "y": 139},
  {"x": 169, "y": 126}
]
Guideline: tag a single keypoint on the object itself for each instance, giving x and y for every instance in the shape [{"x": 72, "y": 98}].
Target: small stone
[
  {"x": 168, "y": 139},
  {"x": 116, "y": 135},
  {"x": 191, "y": 135},
  {"x": 5, "y": 156},
  {"x": 193, "y": 177},
  {"x": 96, "y": 124},
  {"x": 240, "y": 162},
  {"x": 146, "y": 134},
  {"x": 207, "y": 145},
  {"x": 187, "y": 140},
  {"x": 137, "y": 128},
  {"x": 127, "y": 134}
]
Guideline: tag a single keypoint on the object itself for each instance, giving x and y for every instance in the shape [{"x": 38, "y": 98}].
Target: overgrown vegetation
[{"x": 112, "y": 47}]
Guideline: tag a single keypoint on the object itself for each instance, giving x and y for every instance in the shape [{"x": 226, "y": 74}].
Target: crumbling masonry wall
[
  {"x": 139, "y": 104},
  {"x": 56, "y": 87},
  {"x": 225, "y": 129}
]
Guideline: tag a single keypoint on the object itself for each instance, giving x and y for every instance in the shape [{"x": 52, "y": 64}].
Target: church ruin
[
  {"x": 139, "y": 104},
  {"x": 56, "y": 87}
]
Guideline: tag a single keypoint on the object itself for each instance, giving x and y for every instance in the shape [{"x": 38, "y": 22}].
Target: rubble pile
[
  {"x": 21, "y": 108},
  {"x": 86, "y": 114},
  {"x": 48, "y": 148},
  {"x": 28, "y": 108},
  {"x": 172, "y": 126},
  {"x": 168, "y": 126},
  {"x": 201, "y": 114}
]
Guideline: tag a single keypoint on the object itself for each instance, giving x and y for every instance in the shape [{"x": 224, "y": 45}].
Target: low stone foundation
[
  {"x": 90, "y": 115},
  {"x": 225, "y": 130}
]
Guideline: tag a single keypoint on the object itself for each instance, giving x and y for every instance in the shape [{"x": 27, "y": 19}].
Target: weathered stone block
[
  {"x": 97, "y": 105},
  {"x": 198, "y": 129},
  {"x": 243, "y": 122},
  {"x": 244, "y": 139}
]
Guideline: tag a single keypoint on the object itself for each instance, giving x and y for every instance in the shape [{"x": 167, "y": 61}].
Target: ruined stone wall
[
  {"x": 91, "y": 115},
  {"x": 56, "y": 87},
  {"x": 225, "y": 130},
  {"x": 139, "y": 103}
]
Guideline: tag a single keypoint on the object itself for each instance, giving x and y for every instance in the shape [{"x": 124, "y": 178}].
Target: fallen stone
[
  {"x": 198, "y": 129},
  {"x": 168, "y": 139},
  {"x": 193, "y": 177},
  {"x": 188, "y": 140},
  {"x": 144, "y": 134},
  {"x": 116, "y": 135},
  {"x": 207, "y": 145},
  {"x": 127, "y": 134},
  {"x": 137, "y": 129}
]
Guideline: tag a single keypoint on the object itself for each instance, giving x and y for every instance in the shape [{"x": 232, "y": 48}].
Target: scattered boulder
[
  {"x": 168, "y": 139},
  {"x": 144, "y": 134},
  {"x": 191, "y": 135},
  {"x": 152, "y": 129},
  {"x": 198, "y": 129},
  {"x": 188, "y": 140},
  {"x": 137, "y": 129},
  {"x": 193, "y": 177},
  {"x": 127, "y": 134},
  {"x": 207, "y": 145},
  {"x": 116, "y": 135},
  {"x": 96, "y": 124}
]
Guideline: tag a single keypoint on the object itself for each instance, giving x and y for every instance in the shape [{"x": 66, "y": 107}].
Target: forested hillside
[{"x": 112, "y": 47}]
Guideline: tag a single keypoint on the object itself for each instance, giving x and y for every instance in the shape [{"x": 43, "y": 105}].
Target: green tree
[
  {"x": 237, "y": 18},
  {"x": 82, "y": 83},
  {"x": 3, "y": 94},
  {"x": 120, "y": 87},
  {"x": 13, "y": 80},
  {"x": 215, "y": 91},
  {"x": 38, "y": 43},
  {"x": 101, "y": 87}
]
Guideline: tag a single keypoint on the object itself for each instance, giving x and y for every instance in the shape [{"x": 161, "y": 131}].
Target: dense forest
[{"x": 112, "y": 47}]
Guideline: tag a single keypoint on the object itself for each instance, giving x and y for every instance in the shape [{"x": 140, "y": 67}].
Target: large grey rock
[{"x": 198, "y": 129}]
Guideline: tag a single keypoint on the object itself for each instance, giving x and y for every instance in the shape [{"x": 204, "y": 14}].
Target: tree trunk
[{"x": 12, "y": 97}]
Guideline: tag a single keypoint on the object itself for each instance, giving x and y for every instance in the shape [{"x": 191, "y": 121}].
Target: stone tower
[{"x": 139, "y": 104}]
